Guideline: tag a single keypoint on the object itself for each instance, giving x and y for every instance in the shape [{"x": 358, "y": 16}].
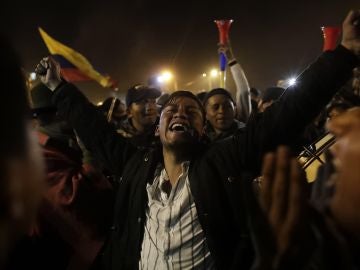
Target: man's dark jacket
[{"x": 215, "y": 170}]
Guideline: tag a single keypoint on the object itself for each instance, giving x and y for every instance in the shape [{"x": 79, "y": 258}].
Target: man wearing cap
[
  {"x": 142, "y": 115},
  {"x": 180, "y": 206},
  {"x": 220, "y": 111}
]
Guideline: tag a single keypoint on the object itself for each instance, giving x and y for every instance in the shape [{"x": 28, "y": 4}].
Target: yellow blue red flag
[{"x": 74, "y": 66}]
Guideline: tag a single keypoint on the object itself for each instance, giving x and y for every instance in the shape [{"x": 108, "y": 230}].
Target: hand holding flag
[{"x": 50, "y": 72}]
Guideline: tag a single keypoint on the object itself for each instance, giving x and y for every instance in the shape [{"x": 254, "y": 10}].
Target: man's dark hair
[
  {"x": 341, "y": 106},
  {"x": 184, "y": 93},
  {"x": 105, "y": 106},
  {"x": 272, "y": 93},
  {"x": 255, "y": 92},
  {"x": 218, "y": 91}
]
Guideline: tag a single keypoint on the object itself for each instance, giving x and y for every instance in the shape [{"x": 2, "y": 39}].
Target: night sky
[{"x": 133, "y": 40}]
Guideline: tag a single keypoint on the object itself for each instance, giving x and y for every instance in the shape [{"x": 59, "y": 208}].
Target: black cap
[
  {"x": 139, "y": 92},
  {"x": 218, "y": 91},
  {"x": 162, "y": 99},
  {"x": 255, "y": 92}
]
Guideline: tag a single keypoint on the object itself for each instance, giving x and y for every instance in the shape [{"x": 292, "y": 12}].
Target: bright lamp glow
[
  {"x": 204, "y": 75},
  {"x": 213, "y": 72},
  {"x": 291, "y": 81},
  {"x": 33, "y": 76},
  {"x": 167, "y": 76},
  {"x": 164, "y": 77},
  {"x": 160, "y": 79}
]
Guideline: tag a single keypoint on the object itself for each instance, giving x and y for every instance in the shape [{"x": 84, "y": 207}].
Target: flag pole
[
  {"x": 112, "y": 106},
  {"x": 111, "y": 109}
]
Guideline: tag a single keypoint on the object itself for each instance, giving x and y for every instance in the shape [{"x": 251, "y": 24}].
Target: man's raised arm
[{"x": 94, "y": 131}]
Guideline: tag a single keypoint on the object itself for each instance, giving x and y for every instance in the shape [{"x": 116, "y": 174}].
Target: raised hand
[
  {"x": 351, "y": 32},
  {"x": 226, "y": 49},
  {"x": 280, "y": 229},
  {"x": 49, "y": 71}
]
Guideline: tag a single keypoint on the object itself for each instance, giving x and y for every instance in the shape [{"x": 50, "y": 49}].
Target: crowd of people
[{"x": 182, "y": 181}]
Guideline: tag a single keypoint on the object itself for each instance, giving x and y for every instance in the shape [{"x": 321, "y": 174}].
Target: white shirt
[{"x": 173, "y": 237}]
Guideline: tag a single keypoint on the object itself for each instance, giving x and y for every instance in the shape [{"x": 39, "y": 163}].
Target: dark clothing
[
  {"x": 323, "y": 187},
  {"x": 334, "y": 249},
  {"x": 72, "y": 189},
  {"x": 215, "y": 170},
  {"x": 210, "y": 132},
  {"x": 140, "y": 140}
]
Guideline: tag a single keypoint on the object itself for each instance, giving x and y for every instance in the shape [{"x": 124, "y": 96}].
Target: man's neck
[
  {"x": 218, "y": 131},
  {"x": 173, "y": 165},
  {"x": 139, "y": 128}
]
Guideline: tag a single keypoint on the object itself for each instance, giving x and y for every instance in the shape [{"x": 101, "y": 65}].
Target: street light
[
  {"x": 214, "y": 73},
  {"x": 287, "y": 82},
  {"x": 165, "y": 77},
  {"x": 291, "y": 81},
  {"x": 160, "y": 79}
]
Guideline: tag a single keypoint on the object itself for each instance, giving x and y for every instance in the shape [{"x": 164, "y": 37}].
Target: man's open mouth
[{"x": 179, "y": 127}]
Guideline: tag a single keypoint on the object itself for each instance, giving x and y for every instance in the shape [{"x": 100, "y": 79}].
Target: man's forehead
[
  {"x": 145, "y": 99},
  {"x": 219, "y": 98},
  {"x": 182, "y": 100}
]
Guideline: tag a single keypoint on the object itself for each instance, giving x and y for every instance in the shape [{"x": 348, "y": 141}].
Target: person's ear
[
  {"x": 206, "y": 114},
  {"x": 157, "y": 131},
  {"x": 203, "y": 131},
  {"x": 128, "y": 112},
  {"x": 65, "y": 191},
  {"x": 70, "y": 191},
  {"x": 207, "y": 124}
]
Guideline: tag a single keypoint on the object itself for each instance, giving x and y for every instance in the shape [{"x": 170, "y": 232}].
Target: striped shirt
[{"x": 173, "y": 237}]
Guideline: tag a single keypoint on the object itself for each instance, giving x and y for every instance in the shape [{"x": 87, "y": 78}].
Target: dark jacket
[
  {"x": 140, "y": 140},
  {"x": 235, "y": 126},
  {"x": 334, "y": 248},
  {"x": 73, "y": 189},
  {"x": 215, "y": 170}
]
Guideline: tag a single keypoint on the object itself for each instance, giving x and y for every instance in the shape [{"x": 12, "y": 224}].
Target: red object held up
[
  {"x": 224, "y": 27},
  {"x": 331, "y": 35}
]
